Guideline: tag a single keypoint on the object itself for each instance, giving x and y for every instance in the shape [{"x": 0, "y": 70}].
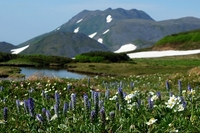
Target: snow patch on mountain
[
  {"x": 76, "y": 30},
  {"x": 18, "y": 50},
  {"x": 152, "y": 54},
  {"x": 126, "y": 48},
  {"x": 108, "y": 18},
  {"x": 92, "y": 35},
  {"x": 79, "y": 21},
  {"x": 58, "y": 28},
  {"x": 106, "y": 31},
  {"x": 100, "y": 40}
]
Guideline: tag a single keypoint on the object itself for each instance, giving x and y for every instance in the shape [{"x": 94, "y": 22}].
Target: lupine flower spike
[{"x": 5, "y": 113}]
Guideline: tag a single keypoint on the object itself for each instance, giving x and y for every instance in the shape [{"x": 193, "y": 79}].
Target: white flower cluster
[{"x": 175, "y": 103}]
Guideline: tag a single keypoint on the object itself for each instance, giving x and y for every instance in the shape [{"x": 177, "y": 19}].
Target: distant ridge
[{"x": 6, "y": 47}]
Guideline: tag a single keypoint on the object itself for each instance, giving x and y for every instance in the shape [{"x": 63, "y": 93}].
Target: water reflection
[{"x": 51, "y": 72}]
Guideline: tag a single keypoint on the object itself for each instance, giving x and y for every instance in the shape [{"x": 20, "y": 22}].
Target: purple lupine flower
[
  {"x": 68, "y": 87},
  {"x": 57, "y": 98},
  {"x": 100, "y": 103},
  {"x": 88, "y": 81},
  {"x": 85, "y": 99},
  {"x": 65, "y": 108},
  {"x": 43, "y": 111},
  {"x": 70, "y": 105},
  {"x": 56, "y": 109},
  {"x": 5, "y": 113},
  {"x": 92, "y": 115},
  {"x": 43, "y": 94},
  {"x": 39, "y": 118},
  {"x": 112, "y": 115},
  {"x": 103, "y": 115},
  {"x": 48, "y": 115},
  {"x": 92, "y": 95},
  {"x": 121, "y": 95},
  {"x": 107, "y": 94},
  {"x": 159, "y": 95},
  {"x": 167, "y": 86},
  {"x": 180, "y": 87},
  {"x": 96, "y": 102},
  {"x": 31, "y": 106},
  {"x": 73, "y": 100},
  {"x": 18, "y": 105},
  {"x": 26, "y": 106},
  {"x": 120, "y": 84},
  {"x": 189, "y": 87},
  {"x": 47, "y": 97},
  {"x": 138, "y": 102},
  {"x": 117, "y": 106},
  {"x": 183, "y": 102},
  {"x": 1, "y": 88},
  {"x": 132, "y": 85},
  {"x": 170, "y": 94},
  {"x": 150, "y": 102}
]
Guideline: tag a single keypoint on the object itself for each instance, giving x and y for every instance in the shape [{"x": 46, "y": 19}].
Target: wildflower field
[{"x": 149, "y": 103}]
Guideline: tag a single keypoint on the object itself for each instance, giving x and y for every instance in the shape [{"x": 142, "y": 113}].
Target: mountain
[
  {"x": 63, "y": 44},
  {"x": 107, "y": 30},
  {"x": 117, "y": 27},
  {"x": 6, "y": 47}
]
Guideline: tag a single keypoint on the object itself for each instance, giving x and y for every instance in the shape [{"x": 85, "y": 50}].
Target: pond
[{"x": 51, "y": 72}]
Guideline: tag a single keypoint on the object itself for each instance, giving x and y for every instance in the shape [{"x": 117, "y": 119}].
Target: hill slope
[
  {"x": 6, "y": 47},
  {"x": 182, "y": 41},
  {"x": 64, "y": 44}
]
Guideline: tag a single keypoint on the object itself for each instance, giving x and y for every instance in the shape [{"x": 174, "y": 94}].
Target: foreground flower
[
  {"x": 39, "y": 118},
  {"x": 5, "y": 113},
  {"x": 151, "y": 121}
]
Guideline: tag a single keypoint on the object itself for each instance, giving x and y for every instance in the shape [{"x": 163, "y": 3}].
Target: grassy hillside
[{"x": 182, "y": 41}]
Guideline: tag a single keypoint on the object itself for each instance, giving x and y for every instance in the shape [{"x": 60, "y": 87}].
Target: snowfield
[
  {"x": 106, "y": 31},
  {"x": 79, "y": 21},
  {"x": 92, "y": 35},
  {"x": 100, "y": 40},
  {"x": 76, "y": 30},
  {"x": 152, "y": 54},
  {"x": 126, "y": 48},
  {"x": 18, "y": 50},
  {"x": 108, "y": 18}
]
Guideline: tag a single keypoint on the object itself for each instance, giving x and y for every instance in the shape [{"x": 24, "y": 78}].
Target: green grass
[
  {"x": 180, "y": 64},
  {"x": 129, "y": 116},
  {"x": 182, "y": 41}
]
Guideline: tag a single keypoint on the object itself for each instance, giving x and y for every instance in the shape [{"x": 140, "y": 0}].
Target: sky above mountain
[{"x": 21, "y": 20}]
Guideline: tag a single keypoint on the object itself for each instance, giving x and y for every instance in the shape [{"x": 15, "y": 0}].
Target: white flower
[
  {"x": 54, "y": 117},
  {"x": 173, "y": 130},
  {"x": 129, "y": 97},
  {"x": 151, "y": 121},
  {"x": 180, "y": 107},
  {"x": 154, "y": 98},
  {"x": 113, "y": 98}
]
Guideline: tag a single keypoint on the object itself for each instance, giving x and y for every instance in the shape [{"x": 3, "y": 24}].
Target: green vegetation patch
[
  {"x": 98, "y": 56},
  {"x": 184, "y": 41}
]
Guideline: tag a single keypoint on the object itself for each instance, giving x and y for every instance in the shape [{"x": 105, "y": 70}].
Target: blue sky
[{"x": 21, "y": 20}]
